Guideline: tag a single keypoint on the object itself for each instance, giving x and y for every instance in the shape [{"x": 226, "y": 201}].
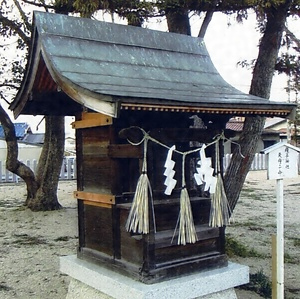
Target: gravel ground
[{"x": 32, "y": 242}]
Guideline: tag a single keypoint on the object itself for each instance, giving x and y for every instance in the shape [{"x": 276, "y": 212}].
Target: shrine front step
[{"x": 89, "y": 280}]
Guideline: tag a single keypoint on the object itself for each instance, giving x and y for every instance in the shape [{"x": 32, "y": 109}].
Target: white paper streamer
[
  {"x": 170, "y": 182},
  {"x": 205, "y": 172}
]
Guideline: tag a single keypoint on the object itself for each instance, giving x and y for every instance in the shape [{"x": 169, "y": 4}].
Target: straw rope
[
  {"x": 187, "y": 232},
  {"x": 220, "y": 210},
  {"x": 138, "y": 218}
]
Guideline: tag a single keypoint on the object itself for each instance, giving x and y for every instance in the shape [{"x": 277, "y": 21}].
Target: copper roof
[{"x": 108, "y": 67}]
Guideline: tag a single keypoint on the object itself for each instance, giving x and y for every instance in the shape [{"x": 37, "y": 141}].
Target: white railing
[
  {"x": 68, "y": 170},
  {"x": 259, "y": 162}
]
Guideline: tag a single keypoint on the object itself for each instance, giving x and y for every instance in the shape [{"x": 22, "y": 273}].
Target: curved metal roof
[{"x": 107, "y": 67}]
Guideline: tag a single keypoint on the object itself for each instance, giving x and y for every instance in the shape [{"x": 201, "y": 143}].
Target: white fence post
[
  {"x": 258, "y": 163},
  {"x": 69, "y": 169},
  {"x": 62, "y": 171},
  {"x": 34, "y": 165},
  {"x": 6, "y": 173},
  {"x": 74, "y": 169}
]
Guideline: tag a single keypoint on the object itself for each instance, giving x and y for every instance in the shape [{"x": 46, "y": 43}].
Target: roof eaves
[
  {"x": 24, "y": 92},
  {"x": 214, "y": 109},
  {"x": 110, "y": 102}
]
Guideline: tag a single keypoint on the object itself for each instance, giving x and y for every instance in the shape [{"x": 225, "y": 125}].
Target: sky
[{"x": 227, "y": 42}]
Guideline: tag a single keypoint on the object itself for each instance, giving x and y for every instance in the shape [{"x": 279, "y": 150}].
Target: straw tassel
[
  {"x": 138, "y": 219},
  {"x": 220, "y": 210},
  {"x": 187, "y": 232}
]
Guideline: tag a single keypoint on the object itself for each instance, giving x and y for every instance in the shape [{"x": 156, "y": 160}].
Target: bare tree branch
[
  {"x": 16, "y": 27},
  {"x": 9, "y": 85},
  {"x": 207, "y": 19},
  {"x": 23, "y": 15},
  {"x": 45, "y": 5},
  {"x": 4, "y": 98},
  {"x": 292, "y": 36},
  {"x": 39, "y": 4}
]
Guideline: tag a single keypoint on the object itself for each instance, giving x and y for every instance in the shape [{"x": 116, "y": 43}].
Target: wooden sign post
[{"x": 282, "y": 163}]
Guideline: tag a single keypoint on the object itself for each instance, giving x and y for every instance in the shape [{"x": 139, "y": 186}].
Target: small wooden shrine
[{"x": 150, "y": 115}]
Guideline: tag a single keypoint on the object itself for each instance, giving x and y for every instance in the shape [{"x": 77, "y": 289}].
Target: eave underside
[{"x": 213, "y": 109}]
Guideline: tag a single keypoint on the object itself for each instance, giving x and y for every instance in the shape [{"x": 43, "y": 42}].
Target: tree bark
[
  {"x": 178, "y": 20},
  {"x": 260, "y": 86},
  {"x": 49, "y": 166},
  {"x": 12, "y": 162},
  {"x": 42, "y": 187}
]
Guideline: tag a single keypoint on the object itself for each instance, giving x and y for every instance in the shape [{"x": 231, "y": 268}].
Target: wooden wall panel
[
  {"x": 202, "y": 249},
  {"x": 98, "y": 229},
  {"x": 131, "y": 246},
  {"x": 97, "y": 175}
]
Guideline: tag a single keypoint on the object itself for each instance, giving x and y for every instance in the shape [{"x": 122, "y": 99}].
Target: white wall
[{"x": 26, "y": 151}]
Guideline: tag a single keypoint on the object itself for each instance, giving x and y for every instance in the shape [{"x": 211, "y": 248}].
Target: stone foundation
[{"x": 92, "y": 281}]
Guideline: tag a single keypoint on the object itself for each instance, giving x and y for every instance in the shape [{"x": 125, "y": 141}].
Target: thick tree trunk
[
  {"x": 41, "y": 188},
  {"x": 178, "y": 21},
  {"x": 12, "y": 162},
  {"x": 260, "y": 86},
  {"x": 49, "y": 166}
]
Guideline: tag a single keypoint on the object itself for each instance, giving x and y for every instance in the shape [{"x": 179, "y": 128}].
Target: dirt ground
[{"x": 32, "y": 242}]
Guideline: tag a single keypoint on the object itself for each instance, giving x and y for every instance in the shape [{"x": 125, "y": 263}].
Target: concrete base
[{"x": 92, "y": 281}]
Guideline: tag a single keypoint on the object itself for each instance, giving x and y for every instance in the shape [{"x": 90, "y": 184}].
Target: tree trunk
[
  {"x": 260, "y": 86},
  {"x": 49, "y": 166},
  {"x": 208, "y": 17},
  {"x": 12, "y": 162},
  {"x": 42, "y": 187},
  {"x": 178, "y": 20}
]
